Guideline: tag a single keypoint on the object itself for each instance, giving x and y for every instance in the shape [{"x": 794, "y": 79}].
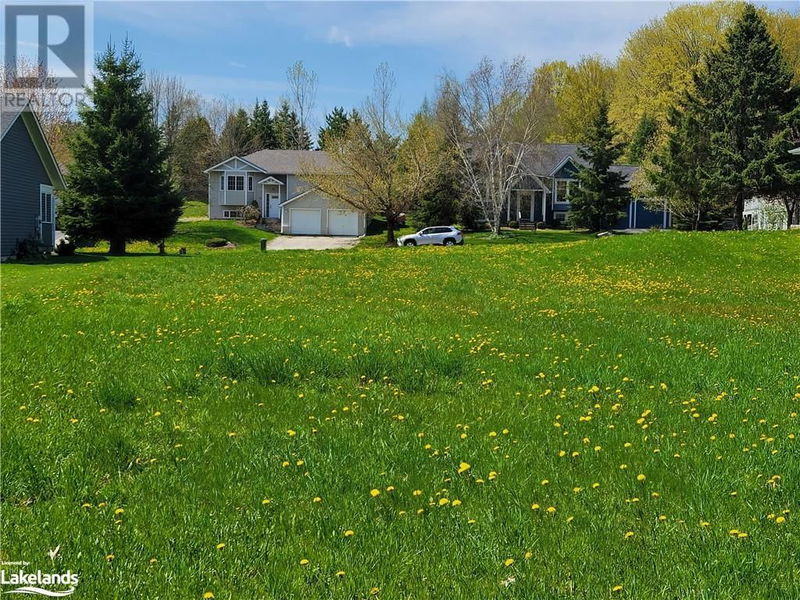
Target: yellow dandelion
[
  {"x": 616, "y": 588},
  {"x": 349, "y": 533},
  {"x": 303, "y": 562},
  {"x": 444, "y": 501},
  {"x": 220, "y": 546},
  {"x": 463, "y": 467},
  {"x": 375, "y": 492},
  {"x": 508, "y": 562},
  {"x": 208, "y": 595}
]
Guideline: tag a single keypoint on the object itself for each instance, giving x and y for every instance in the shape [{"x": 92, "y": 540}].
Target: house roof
[
  {"x": 9, "y": 115},
  {"x": 546, "y": 159},
  {"x": 289, "y": 162}
]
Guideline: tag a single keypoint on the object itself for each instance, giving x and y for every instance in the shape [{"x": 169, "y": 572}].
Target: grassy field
[
  {"x": 194, "y": 209},
  {"x": 573, "y": 418}
]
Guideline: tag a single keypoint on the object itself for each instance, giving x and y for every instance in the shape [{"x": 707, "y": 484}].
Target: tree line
[{"x": 722, "y": 138}]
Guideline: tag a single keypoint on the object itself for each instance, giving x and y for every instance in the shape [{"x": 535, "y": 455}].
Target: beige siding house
[{"x": 270, "y": 179}]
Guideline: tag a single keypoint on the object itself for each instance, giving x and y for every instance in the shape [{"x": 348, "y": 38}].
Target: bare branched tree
[
  {"x": 173, "y": 104},
  {"x": 499, "y": 115},
  {"x": 32, "y": 82},
  {"x": 380, "y": 166},
  {"x": 302, "y": 92}
]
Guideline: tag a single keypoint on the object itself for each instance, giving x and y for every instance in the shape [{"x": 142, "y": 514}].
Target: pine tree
[
  {"x": 679, "y": 169},
  {"x": 263, "y": 127},
  {"x": 745, "y": 91},
  {"x": 290, "y": 134},
  {"x": 643, "y": 140},
  {"x": 118, "y": 187},
  {"x": 336, "y": 123},
  {"x": 236, "y": 138},
  {"x": 602, "y": 193}
]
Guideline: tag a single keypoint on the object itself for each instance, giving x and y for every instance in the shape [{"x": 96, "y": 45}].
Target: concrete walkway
[{"x": 311, "y": 242}]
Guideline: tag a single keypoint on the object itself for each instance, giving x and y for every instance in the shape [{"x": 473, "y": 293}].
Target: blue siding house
[
  {"x": 550, "y": 174},
  {"x": 29, "y": 180}
]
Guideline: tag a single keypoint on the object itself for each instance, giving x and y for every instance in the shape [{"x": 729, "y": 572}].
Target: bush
[
  {"x": 29, "y": 248},
  {"x": 65, "y": 248},
  {"x": 251, "y": 213},
  {"x": 513, "y": 224},
  {"x": 216, "y": 242}
]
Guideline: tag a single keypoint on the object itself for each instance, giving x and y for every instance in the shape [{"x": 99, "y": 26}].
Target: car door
[
  {"x": 425, "y": 236},
  {"x": 438, "y": 235}
]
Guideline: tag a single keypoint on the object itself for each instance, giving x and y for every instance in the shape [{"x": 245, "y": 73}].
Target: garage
[
  {"x": 306, "y": 221},
  {"x": 342, "y": 222}
]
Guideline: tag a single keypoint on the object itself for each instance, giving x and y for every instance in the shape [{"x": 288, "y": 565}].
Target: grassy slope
[{"x": 675, "y": 355}]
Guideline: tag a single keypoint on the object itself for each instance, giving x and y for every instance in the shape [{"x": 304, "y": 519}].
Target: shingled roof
[{"x": 289, "y": 162}]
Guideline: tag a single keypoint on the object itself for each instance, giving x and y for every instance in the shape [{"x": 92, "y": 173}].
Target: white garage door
[
  {"x": 342, "y": 222},
  {"x": 306, "y": 221}
]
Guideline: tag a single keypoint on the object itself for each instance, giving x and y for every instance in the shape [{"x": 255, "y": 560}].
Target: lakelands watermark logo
[{"x": 38, "y": 583}]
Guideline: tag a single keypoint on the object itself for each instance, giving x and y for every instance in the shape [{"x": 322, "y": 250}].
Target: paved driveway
[{"x": 311, "y": 242}]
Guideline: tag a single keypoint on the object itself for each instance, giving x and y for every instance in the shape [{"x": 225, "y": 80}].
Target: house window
[
  {"x": 222, "y": 182},
  {"x": 236, "y": 183},
  {"x": 563, "y": 189},
  {"x": 231, "y": 214},
  {"x": 249, "y": 183},
  {"x": 46, "y": 205},
  {"x": 561, "y": 217}
]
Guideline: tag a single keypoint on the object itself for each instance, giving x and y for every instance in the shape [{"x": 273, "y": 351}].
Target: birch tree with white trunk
[{"x": 497, "y": 118}]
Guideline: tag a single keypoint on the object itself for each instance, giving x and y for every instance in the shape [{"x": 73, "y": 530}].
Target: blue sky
[{"x": 242, "y": 49}]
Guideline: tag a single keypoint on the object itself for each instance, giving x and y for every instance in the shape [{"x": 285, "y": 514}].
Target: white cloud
[
  {"x": 539, "y": 30},
  {"x": 337, "y": 36}
]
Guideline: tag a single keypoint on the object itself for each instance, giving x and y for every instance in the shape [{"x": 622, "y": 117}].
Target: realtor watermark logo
[
  {"x": 47, "y": 51},
  {"x": 36, "y": 583}
]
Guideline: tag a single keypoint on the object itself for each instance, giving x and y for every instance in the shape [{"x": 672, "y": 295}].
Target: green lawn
[
  {"x": 499, "y": 420},
  {"x": 194, "y": 209}
]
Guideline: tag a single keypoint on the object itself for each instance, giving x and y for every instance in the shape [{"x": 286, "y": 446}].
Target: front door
[{"x": 274, "y": 206}]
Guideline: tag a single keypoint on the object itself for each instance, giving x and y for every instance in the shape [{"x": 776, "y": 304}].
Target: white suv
[{"x": 440, "y": 236}]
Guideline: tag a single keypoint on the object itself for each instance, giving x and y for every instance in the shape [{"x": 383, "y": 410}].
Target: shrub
[
  {"x": 251, "y": 213},
  {"x": 513, "y": 224},
  {"x": 65, "y": 248},
  {"x": 29, "y": 248},
  {"x": 216, "y": 242}
]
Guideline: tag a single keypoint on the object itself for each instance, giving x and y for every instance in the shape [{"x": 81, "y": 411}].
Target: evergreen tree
[
  {"x": 679, "y": 169},
  {"x": 336, "y": 123},
  {"x": 745, "y": 92},
  {"x": 236, "y": 138},
  {"x": 441, "y": 203},
  {"x": 118, "y": 187},
  {"x": 191, "y": 155},
  {"x": 263, "y": 127},
  {"x": 602, "y": 193},
  {"x": 289, "y": 133},
  {"x": 644, "y": 139}
]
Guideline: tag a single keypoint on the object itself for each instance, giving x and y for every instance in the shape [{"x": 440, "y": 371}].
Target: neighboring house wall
[
  {"x": 760, "y": 213},
  {"x": 22, "y": 174}
]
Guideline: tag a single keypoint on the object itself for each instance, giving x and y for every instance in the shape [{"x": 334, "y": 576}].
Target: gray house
[
  {"x": 270, "y": 179},
  {"x": 29, "y": 181}
]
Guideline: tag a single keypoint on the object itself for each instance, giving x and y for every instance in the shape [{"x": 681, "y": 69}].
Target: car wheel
[
  {"x": 449, "y": 242},
  {"x": 409, "y": 243}
]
